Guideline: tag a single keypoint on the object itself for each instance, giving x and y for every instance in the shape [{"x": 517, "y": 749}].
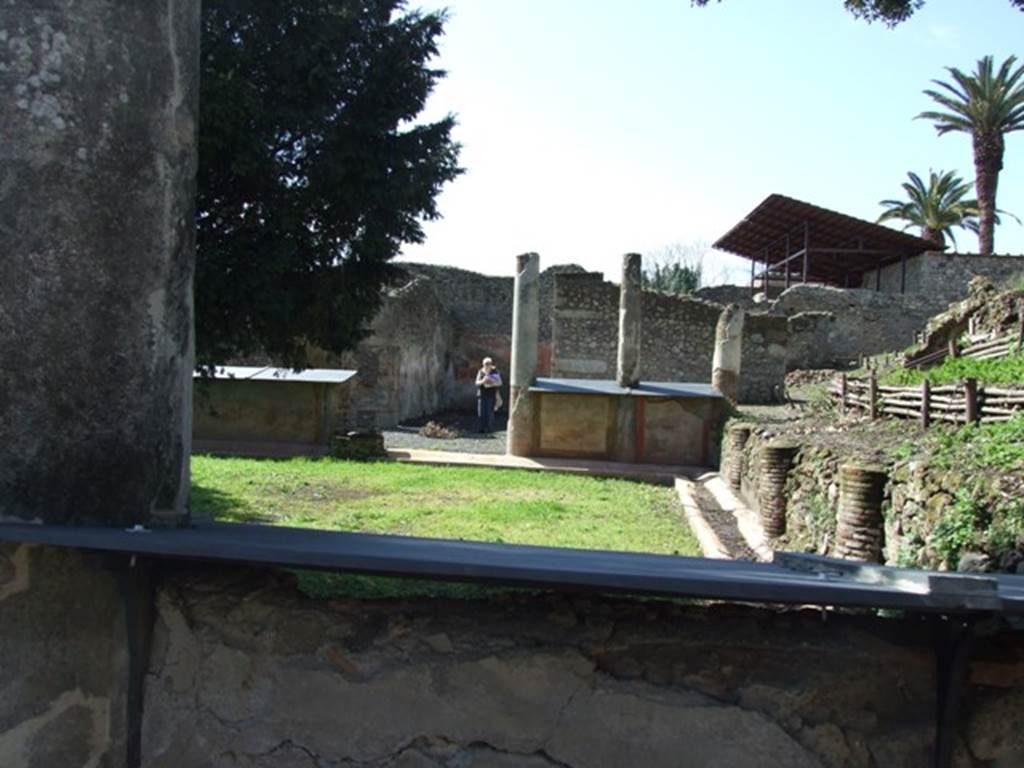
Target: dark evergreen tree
[{"x": 313, "y": 170}]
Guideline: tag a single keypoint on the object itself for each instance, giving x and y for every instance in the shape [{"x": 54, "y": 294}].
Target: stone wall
[
  {"x": 830, "y": 327},
  {"x": 64, "y": 698},
  {"x": 943, "y": 277},
  {"x": 919, "y": 498},
  {"x": 242, "y": 670},
  {"x": 481, "y": 312},
  {"x": 678, "y": 338},
  {"x": 766, "y": 340},
  {"x": 427, "y": 342},
  {"x": 405, "y": 368},
  {"x": 728, "y": 294},
  {"x": 248, "y": 674}
]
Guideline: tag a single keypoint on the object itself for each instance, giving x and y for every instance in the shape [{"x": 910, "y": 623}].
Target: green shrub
[
  {"x": 997, "y": 445},
  {"x": 1003, "y": 370},
  {"x": 959, "y": 526}
]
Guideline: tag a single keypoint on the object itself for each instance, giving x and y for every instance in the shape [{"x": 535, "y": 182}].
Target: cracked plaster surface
[{"x": 247, "y": 676}]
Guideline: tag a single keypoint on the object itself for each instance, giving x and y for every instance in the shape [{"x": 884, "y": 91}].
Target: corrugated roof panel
[
  {"x": 268, "y": 373},
  {"x": 778, "y": 216}
]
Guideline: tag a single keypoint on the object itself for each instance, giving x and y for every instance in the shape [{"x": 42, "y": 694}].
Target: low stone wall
[
  {"x": 244, "y": 671},
  {"x": 252, "y": 672},
  {"x": 934, "y": 516}
]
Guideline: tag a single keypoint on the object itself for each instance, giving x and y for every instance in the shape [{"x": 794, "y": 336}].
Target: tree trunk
[
  {"x": 934, "y": 236},
  {"x": 988, "y": 162}
]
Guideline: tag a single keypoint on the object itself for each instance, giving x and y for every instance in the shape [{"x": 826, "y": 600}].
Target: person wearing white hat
[{"x": 488, "y": 382}]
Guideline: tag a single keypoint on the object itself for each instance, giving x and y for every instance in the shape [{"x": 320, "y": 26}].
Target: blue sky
[{"x": 593, "y": 128}]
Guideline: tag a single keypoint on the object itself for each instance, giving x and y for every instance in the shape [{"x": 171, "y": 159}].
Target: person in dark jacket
[{"x": 488, "y": 382}]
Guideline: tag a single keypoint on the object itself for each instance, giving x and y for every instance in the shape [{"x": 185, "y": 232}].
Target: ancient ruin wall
[
  {"x": 243, "y": 670},
  {"x": 942, "y": 278},
  {"x": 481, "y": 312},
  {"x": 255, "y": 672},
  {"x": 678, "y": 338},
  {"x": 812, "y": 489},
  {"x": 405, "y": 367},
  {"x": 833, "y": 326},
  {"x": 64, "y": 698}
]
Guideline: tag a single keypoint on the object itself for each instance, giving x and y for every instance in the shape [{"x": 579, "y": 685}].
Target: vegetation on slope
[{"x": 1005, "y": 370}]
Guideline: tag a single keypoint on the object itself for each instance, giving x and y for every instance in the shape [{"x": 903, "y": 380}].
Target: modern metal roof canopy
[{"x": 794, "y": 240}]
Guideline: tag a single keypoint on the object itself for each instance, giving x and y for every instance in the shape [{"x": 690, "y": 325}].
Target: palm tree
[
  {"x": 937, "y": 208},
  {"x": 986, "y": 105}
]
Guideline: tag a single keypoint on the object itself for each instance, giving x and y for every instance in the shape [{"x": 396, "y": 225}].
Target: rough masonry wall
[
  {"x": 405, "y": 367},
  {"x": 246, "y": 673},
  {"x": 765, "y": 357},
  {"x": 943, "y": 277},
  {"x": 480, "y": 307},
  {"x": 678, "y": 338},
  {"x": 728, "y": 294},
  {"x": 63, "y": 662},
  {"x": 830, "y": 327},
  {"x": 97, "y": 155}
]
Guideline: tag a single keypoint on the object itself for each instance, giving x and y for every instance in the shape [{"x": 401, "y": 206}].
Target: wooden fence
[{"x": 963, "y": 403}]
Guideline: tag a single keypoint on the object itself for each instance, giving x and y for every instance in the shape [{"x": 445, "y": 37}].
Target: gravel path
[
  {"x": 724, "y": 525},
  {"x": 469, "y": 440}
]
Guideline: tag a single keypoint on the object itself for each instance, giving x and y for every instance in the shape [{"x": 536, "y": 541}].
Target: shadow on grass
[{"x": 214, "y": 504}]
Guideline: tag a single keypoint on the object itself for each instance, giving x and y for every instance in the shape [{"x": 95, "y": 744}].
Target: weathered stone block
[
  {"x": 359, "y": 446},
  {"x": 63, "y": 666},
  {"x": 97, "y": 211}
]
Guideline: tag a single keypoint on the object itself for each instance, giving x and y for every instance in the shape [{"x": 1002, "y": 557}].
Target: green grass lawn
[{"x": 467, "y": 503}]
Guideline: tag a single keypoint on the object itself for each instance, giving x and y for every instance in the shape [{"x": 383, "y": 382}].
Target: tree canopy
[
  {"x": 889, "y": 12},
  {"x": 986, "y": 104},
  {"x": 934, "y": 208},
  {"x": 313, "y": 170},
  {"x": 675, "y": 269}
]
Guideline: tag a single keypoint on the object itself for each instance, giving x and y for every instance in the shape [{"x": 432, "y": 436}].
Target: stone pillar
[
  {"x": 725, "y": 367},
  {"x": 97, "y": 175},
  {"x": 525, "y": 326},
  {"x": 630, "y": 318}
]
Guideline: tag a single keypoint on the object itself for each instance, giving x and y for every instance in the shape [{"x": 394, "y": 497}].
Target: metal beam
[
  {"x": 822, "y": 582},
  {"x": 856, "y": 251},
  {"x": 807, "y": 247}
]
